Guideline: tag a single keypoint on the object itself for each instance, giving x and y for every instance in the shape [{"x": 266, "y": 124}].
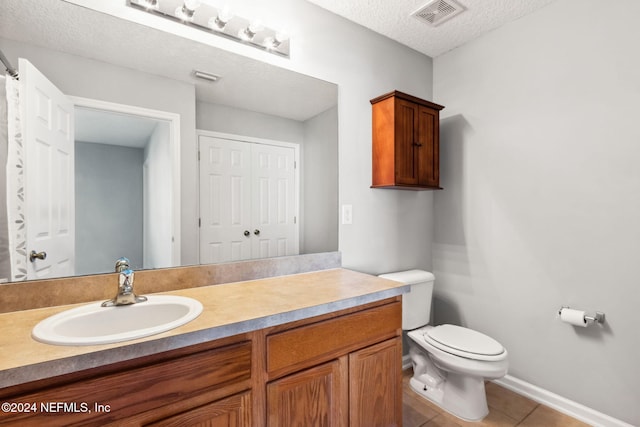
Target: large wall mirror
[{"x": 132, "y": 84}]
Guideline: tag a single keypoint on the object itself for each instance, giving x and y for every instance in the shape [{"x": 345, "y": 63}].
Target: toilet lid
[{"x": 464, "y": 342}]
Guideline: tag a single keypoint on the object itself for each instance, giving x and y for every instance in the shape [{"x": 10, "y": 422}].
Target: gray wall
[
  {"x": 320, "y": 181},
  {"x": 540, "y": 149},
  {"x": 392, "y": 229},
  {"x": 108, "y": 206},
  {"x": 220, "y": 118}
]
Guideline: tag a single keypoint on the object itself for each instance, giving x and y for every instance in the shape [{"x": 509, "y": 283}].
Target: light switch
[{"x": 347, "y": 214}]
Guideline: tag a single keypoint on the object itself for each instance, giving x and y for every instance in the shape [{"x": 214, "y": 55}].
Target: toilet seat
[{"x": 464, "y": 342}]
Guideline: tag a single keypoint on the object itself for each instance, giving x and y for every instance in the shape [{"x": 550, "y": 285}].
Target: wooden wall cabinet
[
  {"x": 406, "y": 142},
  {"x": 338, "y": 369}
]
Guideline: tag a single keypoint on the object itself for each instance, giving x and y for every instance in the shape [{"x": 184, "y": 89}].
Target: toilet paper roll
[{"x": 574, "y": 317}]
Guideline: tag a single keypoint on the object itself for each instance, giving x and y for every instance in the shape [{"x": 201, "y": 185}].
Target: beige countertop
[{"x": 229, "y": 309}]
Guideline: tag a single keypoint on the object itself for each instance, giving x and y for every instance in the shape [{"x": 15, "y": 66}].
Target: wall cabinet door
[
  {"x": 312, "y": 397},
  {"x": 405, "y": 142},
  {"x": 375, "y": 392}
]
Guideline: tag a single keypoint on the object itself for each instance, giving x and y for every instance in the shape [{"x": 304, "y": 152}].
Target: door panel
[
  {"x": 49, "y": 172},
  {"x": 225, "y": 200},
  {"x": 405, "y": 149},
  {"x": 275, "y": 212},
  {"x": 246, "y": 188}
]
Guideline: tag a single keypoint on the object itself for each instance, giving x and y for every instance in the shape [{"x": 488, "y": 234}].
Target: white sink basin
[{"x": 94, "y": 324}]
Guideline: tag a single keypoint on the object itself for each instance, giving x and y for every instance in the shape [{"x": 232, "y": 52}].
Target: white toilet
[{"x": 450, "y": 363}]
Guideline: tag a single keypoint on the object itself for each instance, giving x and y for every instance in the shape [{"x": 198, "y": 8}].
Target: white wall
[
  {"x": 541, "y": 207},
  {"x": 157, "y": 222}
]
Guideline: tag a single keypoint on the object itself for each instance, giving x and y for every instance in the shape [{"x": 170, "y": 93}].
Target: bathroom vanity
[{"x": 319, "y": 348}]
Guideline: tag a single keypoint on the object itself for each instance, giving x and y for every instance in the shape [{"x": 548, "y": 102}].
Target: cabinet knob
[
  {"x": 246, "y": 233},
  {"x": 417, "y": 144},
  {"x": 256, "y": 232}
]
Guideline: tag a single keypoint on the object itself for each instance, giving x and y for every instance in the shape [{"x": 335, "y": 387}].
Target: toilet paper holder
[{"x": 597, "y": 318}]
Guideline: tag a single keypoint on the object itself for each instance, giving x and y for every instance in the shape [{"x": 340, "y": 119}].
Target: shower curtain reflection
[{"x": 13, "y": 255}]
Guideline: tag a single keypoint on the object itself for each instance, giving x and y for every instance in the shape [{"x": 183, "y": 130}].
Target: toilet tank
[{"x": 416, "y": 305}]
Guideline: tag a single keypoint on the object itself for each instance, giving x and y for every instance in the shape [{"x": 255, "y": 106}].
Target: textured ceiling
[
  {"x": 393, "y": 19},
  {"x": 246, "y": 83}
]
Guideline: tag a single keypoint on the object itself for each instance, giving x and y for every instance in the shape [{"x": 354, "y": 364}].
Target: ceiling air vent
[{"x": 436, "y": 12}]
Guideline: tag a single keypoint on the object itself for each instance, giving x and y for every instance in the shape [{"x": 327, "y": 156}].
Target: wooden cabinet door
[
  {"x": 234, "y": 411},
  {"x": 375, "y": 390},
  {"x": 406, "y": 146},
  {"x": 315, "y": 397},
  {"x": 417, "y": 145},
  {"x": 426, "y": 149}
]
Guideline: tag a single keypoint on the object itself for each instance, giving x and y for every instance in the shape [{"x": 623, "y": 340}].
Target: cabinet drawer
[
  {"x": 142, "y": 389},
  {"x": 311, "y": 344},
  {"x": 234, "y": 411}
]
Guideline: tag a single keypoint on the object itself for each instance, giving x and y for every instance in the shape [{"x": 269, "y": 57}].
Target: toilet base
[
  {"x": 459, "y": 395},
  {"x": 462, "y": 395}
]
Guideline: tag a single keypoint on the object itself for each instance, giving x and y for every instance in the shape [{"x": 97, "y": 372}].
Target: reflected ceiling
[{"x": 65, "y": 27}]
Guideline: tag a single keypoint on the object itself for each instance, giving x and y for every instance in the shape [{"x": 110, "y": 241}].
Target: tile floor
[{"x": 506, "y": 409}]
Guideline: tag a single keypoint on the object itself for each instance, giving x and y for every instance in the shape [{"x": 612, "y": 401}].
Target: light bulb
[
  {"x": 192, "y": 4},
  {"x": 220, "y": 21},
  {"x": 247, "y": 34},
  {"x": 188, "y": 8},
  {"x": 271, "y": 43},
  {"x": 149, "y": 4}
]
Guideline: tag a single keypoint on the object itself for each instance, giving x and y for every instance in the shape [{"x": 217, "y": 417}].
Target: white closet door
[
  {"x": 49, "y": 174},
  {"x": 275, "y": 232},
  {"x": 225, "y": 200}
]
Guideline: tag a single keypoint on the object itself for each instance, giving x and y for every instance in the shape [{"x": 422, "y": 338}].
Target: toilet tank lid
[{"x": 410, "y": 277}]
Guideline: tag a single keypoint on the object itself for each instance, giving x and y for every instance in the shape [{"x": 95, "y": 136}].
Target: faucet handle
[
  {"x": 122, "y": 264},
  {"x": 125, "y": 278}
]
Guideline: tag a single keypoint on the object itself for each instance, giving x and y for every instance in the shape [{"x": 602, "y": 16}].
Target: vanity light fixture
[{"x": 203, "y": 15}]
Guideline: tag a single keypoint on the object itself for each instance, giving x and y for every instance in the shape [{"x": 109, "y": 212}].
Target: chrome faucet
[{"x": 125, "y": 295}]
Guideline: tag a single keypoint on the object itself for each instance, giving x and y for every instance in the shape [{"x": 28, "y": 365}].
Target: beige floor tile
[
  {"x": 508, "y": 402},
  {"x": 441, "y": 421},
  {"x": 544, "y": 416},
  {"x": 495, "y": 418}
]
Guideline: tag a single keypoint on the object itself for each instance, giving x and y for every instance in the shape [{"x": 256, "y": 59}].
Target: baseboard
[
  {"x": 406, "y": 362},
  {"x": 559, "y": 403},
  {"x": 552, "y": 400}
]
